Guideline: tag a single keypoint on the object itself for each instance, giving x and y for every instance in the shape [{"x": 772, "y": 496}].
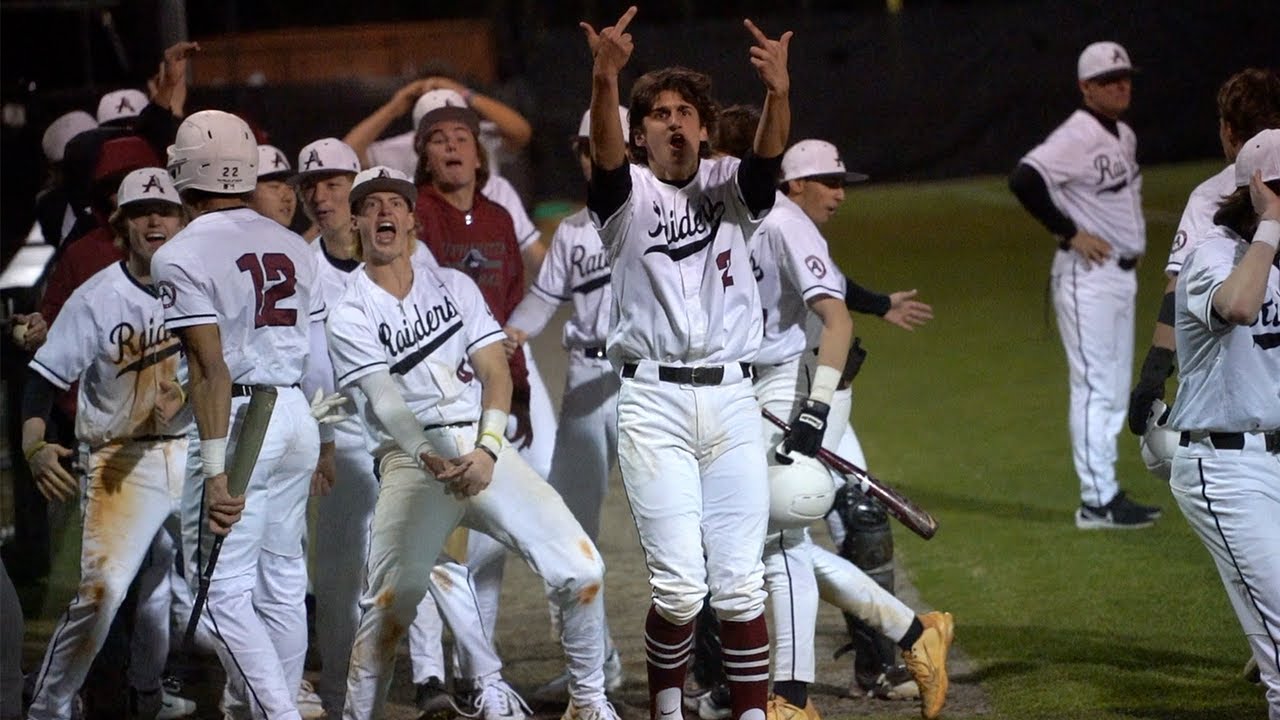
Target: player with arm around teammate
[
  {"x": 1083, "y": 184},
  {"x": 425, "y": 354},
  {"x": 1226, "y": 471},
  {"x": 240, "y": 290},
  {"x": 686, "y": 323},
  {"x": 111, "y": 336}
]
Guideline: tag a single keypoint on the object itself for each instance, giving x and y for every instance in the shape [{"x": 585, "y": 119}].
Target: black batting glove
[
  {"x": 807, "y": 429},
  {"x": 1155, "y": 370}
]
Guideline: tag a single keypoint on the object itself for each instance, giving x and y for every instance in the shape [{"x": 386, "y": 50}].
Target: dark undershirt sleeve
[
  {"x": 1031, "y": 191},
  {"x": 38, "y": 396},
  {"x": 862, "y": 300},
  {"x": 608, "y": 190},
  {"x": 758, "y": 180}
]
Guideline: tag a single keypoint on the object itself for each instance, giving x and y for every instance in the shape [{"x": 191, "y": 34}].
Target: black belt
[
  {"x": 593, "y": 353},
  {"x": 438, "y": 426},
  {"x": 157, "y": 438},
  {"x": 1234, "y": 440},
  {"x": 699, "y": 375},
  {"x": 1128, "y": 263},
  {"x": 238, "y": 390}
]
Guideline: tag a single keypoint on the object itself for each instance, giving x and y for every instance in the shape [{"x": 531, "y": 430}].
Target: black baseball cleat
[{"x": 1119, "y": 514}]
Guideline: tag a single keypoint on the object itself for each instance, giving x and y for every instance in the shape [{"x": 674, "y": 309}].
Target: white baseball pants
[
  {"x": 1231, "y": 498},
  {"x": 1095, "y": 309}
]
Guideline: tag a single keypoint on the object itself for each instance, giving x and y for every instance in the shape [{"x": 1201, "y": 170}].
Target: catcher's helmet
[
  {"x": 1159, "y": 441},
  {"x": 216, "y": 152},
  {"x": 799, "y": 493}
]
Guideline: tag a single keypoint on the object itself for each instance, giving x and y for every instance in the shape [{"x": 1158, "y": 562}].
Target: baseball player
[
  {"x": 273, "y": 197},
  {"x": 1084, "y": 185},
  {"x": 240, "y": 291},
  {"x": 577, "y": 270},
  {"x": 1226, "y": 472},
  {"x": 54, "y": 213},
  {"x": 424, "y": 352},
  {"x": 1248, "y": 102},
  {"x": 111, "y": 336},
  {"x": 685, "y": 327}
]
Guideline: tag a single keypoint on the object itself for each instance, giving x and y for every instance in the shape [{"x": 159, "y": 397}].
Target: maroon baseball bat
[{"x": 895, "y": 503}]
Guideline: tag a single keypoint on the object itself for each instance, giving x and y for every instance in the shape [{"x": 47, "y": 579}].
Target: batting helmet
[
  {"x": 1159, "y": 441},
  {"x": 799, "y": 493},
  {"x": 216, "y": 152}
]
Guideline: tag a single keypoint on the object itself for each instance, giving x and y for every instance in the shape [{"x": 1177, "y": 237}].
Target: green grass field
[{"x": 968, "y": 416}]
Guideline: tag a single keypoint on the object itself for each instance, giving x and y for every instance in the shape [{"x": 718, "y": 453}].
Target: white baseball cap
[
  {"x": 584, "y": 128},
  {"x": 443, "y": 104},
  {"x": 1261, "y": 152},
  {"x": 272, "y": 163},
  {"x": 1103, "y": 58},
  {"x": 121, "y": 105},
  {"x": 60, "y": 132},
  {"x": 816, "y": 158},
  {"x": 381, "y": 178},
  {"x": 326, "y": 155},
  {"x": 147, "y": 184}
]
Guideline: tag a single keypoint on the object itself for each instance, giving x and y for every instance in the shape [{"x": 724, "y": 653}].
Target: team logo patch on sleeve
[
  {"x": 1179, "y": 240},
  {"x": 816, "y": 266},
  {"x": 167, "y": 292}
]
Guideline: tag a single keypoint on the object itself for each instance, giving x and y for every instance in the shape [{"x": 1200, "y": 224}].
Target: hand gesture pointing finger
[
  {"x": 770, "y": 59},
  {"x": 611, "y": 47}
]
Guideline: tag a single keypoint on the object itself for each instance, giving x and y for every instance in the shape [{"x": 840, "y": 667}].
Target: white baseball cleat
[
  {"x": 602, "y": 710},
  {"x": 309, "y": 705},
  {"x": 496, "y": 700}
]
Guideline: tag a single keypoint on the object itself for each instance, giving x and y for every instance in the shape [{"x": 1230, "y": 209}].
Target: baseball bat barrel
[
  {"x": 262, "y": 403},
  {"x": 895, "y": 503}
]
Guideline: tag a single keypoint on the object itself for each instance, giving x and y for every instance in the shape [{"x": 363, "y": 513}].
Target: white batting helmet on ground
[
  {"x": 216, "y": 152},
  {"x": 799, "y": 493},
  {"x": 1159, "y": 441}
]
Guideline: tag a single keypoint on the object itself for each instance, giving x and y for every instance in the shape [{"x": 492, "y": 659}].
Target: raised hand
[
  {"x": 770, "y": 59},
  {"x": 1265, "y": 202},
  {"x": 906, "y": 312},
  {"x": 611, "y": 47},
  {"x": 52, "y": 480}
]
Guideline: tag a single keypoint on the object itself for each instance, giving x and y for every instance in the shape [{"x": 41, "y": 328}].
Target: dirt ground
[{"x": 532, "y": 656}]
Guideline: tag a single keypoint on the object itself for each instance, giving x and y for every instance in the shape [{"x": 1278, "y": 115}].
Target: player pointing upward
[{"x": 686, "y": 326}]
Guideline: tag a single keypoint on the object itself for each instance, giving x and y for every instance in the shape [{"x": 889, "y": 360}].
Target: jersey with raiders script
[
  {"x": 1228, "y": 375},
  {"x": 792, "y": 266},
  {"x": 1197, "y": 217},
  {"x": 253, "y": 278},
  {"x": 111, "y": 337},
  {"x": 577, "y": 270},
  {"x": 1093, "y": 178},
  {"x": 683, "y": 289},
  {"x": 425, "y": 341}
]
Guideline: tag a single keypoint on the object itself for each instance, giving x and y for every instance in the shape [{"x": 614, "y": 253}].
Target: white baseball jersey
[
  {"x": 1093, "y": 178},
  {"x": 577, "y": 270},
  {"x": 792, "y": 267},
  {"x": 424, "y": 340},
  {"x": 683, "y": 290},
  {"x": 1197, "y": 217},
  {"x": 256, "y": 280},
  {"x": 420, "y": 257},
  {"x": 1213, "y": 356},
  {"x": 111, "y": 336}
]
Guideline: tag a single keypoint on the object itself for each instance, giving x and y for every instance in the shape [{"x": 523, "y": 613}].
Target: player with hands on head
[
  {"x": 1248, "y": 102},
  {"x": 111, "y": 337},
  {"x": 422, "y": 353},
  {"x": 1084, "y": 185},
  {"x": 1225, "y": 469},
  {"x": 686, "y": 328}
]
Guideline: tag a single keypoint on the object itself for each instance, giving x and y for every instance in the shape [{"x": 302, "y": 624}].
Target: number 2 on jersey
[
  {"x": 722, "y": 262},
  {"x": 274, "y": 268}
]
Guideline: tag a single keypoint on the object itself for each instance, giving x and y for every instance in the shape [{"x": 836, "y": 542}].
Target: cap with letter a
[
  {"x": 1260, "y": 152},
  {"x": 443, "y": 104},
  {"x": 382, "y": 179},
  {"x": 119, "y": 106},
  {"x": 816, "y": 158},
  {"x": 1102, "y": 61},
  {"x": 149, "y": 184},
  {"x": 329, "y": 156},
  {"x": 272, "y": 164}
]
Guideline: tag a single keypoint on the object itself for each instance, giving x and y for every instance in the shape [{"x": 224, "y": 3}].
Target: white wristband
[
  {"x": 825, "y": 380},
  {"x": 213, "y": 456},
  {"x": 493, "y": 428},
  {"x": 1268, "y": 233}
]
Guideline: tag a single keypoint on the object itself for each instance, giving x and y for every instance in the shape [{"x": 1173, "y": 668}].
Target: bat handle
[{"x": 202, "y": 593}]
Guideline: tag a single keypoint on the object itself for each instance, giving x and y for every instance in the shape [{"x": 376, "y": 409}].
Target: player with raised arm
[
  {"x": 423, "y": 353},
  {"x": 240, "y": 291},
  {"x": 686, "y": 325}
]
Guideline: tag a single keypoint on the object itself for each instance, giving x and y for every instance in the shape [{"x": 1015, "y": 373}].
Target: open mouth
[
  {"x": 678, "y": 141},
  {"x": 156, "y": 237},
  {"x": 385, "y": 231}
]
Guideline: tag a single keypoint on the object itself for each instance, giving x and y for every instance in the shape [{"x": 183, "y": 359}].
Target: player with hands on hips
[
  {"x": 111, "y": 337},
  {"x": 1226, "y": 471},
  {"x": 686, "y": 327},
  {"x": 1084, "y": 185},
  {"x": 1248, "y": 102}
]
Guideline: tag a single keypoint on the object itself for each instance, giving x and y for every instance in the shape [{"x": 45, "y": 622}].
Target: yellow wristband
[
  {"x": 493, "y": 447},
  {"x": 35, "y": 448}
]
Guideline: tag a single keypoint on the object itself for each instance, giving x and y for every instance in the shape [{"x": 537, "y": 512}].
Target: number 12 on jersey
[{"x": 276, "y": 268}]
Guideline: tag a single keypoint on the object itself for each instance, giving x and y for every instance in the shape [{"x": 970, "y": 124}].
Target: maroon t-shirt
[{"x": 482, "y": 244}]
